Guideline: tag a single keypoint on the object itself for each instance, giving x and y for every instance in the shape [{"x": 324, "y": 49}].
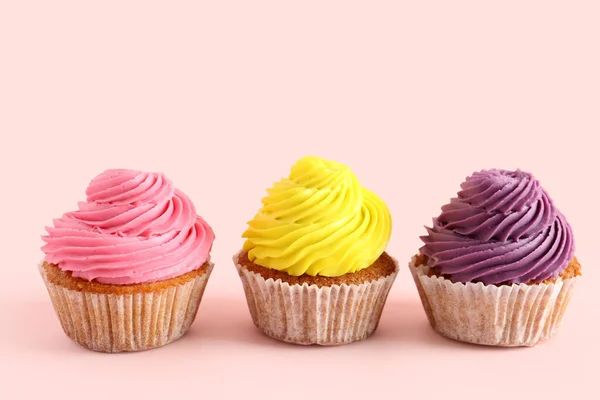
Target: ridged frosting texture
[
  {"x": 135, "y": 227},
  {"x": 318, "y": 221},
  {"x": 502, "y": 228}
]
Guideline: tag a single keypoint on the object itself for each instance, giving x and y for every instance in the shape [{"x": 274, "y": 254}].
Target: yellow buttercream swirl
[{"x": 319, "y": 221}]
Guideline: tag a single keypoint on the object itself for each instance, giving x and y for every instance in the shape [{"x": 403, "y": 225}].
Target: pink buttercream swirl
[{"x": 135, "y": 227}]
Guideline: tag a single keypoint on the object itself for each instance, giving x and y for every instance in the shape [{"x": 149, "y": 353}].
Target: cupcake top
[
  {"x": 135, "y": 227},
  {"x": 502, "y": 228},
  {"x": 318, "y": 221}
]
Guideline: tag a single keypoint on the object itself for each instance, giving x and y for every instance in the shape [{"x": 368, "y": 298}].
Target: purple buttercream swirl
[{"x": 502, "y": 228}]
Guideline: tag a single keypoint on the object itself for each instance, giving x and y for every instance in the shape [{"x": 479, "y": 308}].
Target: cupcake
[
  {"x": 497, "y": 268},
  {"x": 313, "y": 266},
  {"x": 126, "y": 271}
]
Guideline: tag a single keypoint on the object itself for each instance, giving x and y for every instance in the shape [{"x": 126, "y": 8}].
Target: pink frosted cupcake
[{"x": 127, "y": 270}]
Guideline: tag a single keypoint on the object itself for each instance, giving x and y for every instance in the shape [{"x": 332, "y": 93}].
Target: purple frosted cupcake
[{"x": 498, "y": 265}]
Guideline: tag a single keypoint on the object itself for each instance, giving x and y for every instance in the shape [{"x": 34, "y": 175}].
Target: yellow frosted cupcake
[{"x": 314, "y": 266}]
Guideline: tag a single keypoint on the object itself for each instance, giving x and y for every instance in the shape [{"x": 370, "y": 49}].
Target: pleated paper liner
[
  {"x": 138, "y": 321},
  {"x": 307, "y": 314},
  {"x": 506, "y": 315}
]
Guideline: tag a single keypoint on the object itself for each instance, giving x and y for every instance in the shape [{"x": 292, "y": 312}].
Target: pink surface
[
  {"x": 222, "y": 98},
  {"x": 135, "y": 227}
]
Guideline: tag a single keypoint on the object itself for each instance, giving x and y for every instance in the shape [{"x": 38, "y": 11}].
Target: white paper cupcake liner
[
  {"x": 114, "y": 323},
  {"x": 308, "y": 314},
  {"x": 507, "y": 315}
]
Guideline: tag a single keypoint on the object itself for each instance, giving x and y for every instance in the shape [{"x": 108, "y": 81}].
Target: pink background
[{"x": 223, "y": 97}]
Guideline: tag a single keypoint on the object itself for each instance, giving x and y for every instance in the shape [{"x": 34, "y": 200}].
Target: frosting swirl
[
  {"x": 318, "y": 221},
  {"x": 501, "y": 228},
  {"x": 135, "y": 227}
]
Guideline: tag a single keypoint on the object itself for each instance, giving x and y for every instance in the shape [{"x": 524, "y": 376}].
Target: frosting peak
[
  {"x": 497, "y": 204},
  {"x": 501, "y": 228},
  {"x": 135, "y": 227},
  {"x": 331, "y": 174},
  {"x": 318, "y": 221}
]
